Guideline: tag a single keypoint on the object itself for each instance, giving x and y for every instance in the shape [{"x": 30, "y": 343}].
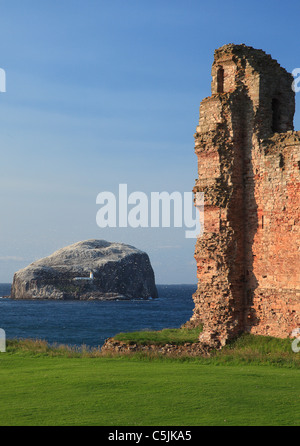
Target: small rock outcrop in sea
[{"x": 91, "y": 269}]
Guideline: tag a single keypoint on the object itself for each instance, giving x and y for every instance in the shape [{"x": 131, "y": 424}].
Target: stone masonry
[{"x": 248, "y": 259}]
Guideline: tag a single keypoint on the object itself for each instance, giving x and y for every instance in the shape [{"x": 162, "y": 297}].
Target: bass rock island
[{"x": 91, "y": 269}]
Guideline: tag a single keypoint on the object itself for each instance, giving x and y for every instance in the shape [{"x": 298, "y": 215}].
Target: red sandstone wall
[
  {"x": 275, "y": 297},
  {"x": 248, "y": 260}
]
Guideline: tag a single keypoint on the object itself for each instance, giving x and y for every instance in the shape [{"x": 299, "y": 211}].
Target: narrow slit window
[
  {"x": 220, "y": 80},
  {"x": 281, "y": 161}
]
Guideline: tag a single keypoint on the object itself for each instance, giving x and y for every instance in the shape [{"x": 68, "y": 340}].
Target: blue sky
[{"x": 101, "y": 93}]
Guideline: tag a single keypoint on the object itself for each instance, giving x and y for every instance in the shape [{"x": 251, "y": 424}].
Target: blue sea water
[{"x": 91, "y": 322}]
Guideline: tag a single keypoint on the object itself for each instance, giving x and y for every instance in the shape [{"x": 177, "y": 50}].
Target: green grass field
[
  {"x": 255, "y": 381},
  {"x": 168, "y": 335}
]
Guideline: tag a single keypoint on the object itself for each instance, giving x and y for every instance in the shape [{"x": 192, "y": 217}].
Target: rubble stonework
[
  {"x": 112, "y": 347},
  {"x": 248, "y": 259}
]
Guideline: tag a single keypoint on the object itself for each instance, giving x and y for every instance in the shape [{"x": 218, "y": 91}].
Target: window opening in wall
[
  {"x": 262, "y": 222},
  {"x": 281, "y": 161},
  {"x": 275, "y": 115},
  {"x": 220, "y": 80}
]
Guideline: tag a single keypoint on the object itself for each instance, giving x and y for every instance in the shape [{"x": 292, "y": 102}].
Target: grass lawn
[
  {"x": 39, "y": 387},
  {"x": 168, "y": 335}
]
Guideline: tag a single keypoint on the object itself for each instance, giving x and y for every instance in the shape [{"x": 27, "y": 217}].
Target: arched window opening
[
  {"x": 220, "y": 80},
  {"x": 276, "y": 115}
]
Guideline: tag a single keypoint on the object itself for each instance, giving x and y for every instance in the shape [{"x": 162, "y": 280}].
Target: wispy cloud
[
  {"x": 168, "y": 247},
  {"x": 11, "y": 258}
]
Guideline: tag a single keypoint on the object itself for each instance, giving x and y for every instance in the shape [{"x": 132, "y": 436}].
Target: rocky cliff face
[{"x": 117, "y": 271}]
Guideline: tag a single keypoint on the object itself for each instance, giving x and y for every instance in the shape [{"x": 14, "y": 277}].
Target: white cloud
[
  {"x": 11, "y": 258},
  {"x": 168, "y": 247}
]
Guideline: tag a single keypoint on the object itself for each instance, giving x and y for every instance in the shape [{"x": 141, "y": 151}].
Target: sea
[{"x": 89, "y": 323}]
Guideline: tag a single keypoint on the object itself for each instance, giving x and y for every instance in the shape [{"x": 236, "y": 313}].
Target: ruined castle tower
[{"x": 248, "y": 259}]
